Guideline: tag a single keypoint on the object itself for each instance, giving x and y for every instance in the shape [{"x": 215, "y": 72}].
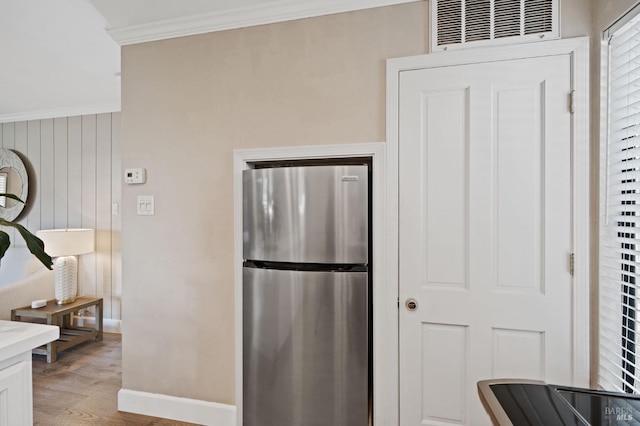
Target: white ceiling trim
[
  {"x": 269, "y": 13},
  {"x": 61, "y": 112}
]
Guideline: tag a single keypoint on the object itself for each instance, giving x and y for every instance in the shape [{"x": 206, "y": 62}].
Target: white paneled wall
[{"x": 74, "y": 179}]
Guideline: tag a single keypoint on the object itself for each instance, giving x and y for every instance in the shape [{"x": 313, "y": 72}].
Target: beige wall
[
  {"x": 575, "y": 18},
  {"x": 607, "y": 12},
  {"x": 187, "y": 103}
]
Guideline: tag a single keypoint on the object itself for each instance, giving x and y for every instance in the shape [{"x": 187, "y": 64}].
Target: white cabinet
[
  {"x": 16, "y": 403},
  {"x": 16, "y": 342}
]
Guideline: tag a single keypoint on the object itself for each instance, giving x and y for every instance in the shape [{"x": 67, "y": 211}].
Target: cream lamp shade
[
  {"x": 64, "y": 245},
  {"x": 67, "y": 242}
]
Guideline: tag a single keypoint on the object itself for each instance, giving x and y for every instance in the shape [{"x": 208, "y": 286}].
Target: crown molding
[
  {"x": 269, "y": 13},
  {"x": 61, "y": 112}
]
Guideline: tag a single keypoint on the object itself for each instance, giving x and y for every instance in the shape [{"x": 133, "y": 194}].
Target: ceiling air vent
[{"x": 467, "y": 23}]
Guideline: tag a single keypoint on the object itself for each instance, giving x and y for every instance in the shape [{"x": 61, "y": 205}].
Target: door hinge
[
  {"x": 398, "y": 302},
  {"x": 572, "y": 264},
  {"x": 572, "y": 96}
]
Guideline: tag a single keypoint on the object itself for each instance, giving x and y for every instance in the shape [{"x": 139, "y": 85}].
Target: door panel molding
[{"x": 577, "y": 49}]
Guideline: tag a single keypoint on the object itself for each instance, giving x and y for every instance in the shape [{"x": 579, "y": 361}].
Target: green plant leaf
[
  {"x": 35, "y": 244},
  {"x": 12, "y": 196},
  {"x": 5, "y": 242}
]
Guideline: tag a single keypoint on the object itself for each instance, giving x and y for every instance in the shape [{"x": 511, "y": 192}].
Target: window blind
[{"x": 620, "y": 222}]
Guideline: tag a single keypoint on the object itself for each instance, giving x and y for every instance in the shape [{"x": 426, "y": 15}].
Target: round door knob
[{"x": 411, "y": 304}]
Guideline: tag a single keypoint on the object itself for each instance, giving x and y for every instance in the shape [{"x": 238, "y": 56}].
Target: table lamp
[{"x": 65, "y": 245}]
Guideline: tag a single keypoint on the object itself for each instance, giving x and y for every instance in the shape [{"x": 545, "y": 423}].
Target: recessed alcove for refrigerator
[{"x": 307, "y": 294}]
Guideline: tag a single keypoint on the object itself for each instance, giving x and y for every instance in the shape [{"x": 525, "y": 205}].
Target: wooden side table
[{"x": 61, "y": 315}]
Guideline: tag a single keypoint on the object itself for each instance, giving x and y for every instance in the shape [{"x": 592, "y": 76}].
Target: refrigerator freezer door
[
  {"x": 304, "y": 348},
  {"x": 315, "y": 214}
]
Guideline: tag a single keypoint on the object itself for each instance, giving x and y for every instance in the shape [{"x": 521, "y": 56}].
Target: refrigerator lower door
[{"x": 305, "y": 348}]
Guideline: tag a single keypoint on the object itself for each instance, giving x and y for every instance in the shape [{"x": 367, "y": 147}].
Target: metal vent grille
[
  {"x": 538, "y": 16},
  {"x": 457, "y": 23},
  {"x": 507, "y": 18},
  {"x": 478, "y": 12},
  {"x": 449, "y": 22}
]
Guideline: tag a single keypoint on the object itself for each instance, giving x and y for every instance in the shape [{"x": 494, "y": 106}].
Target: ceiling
[
  {"x": 55, "y": 57},
  {"x": 62, "y": 57}
]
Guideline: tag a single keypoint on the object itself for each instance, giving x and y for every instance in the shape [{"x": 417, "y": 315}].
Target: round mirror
[{"x": 13, "y": 180}]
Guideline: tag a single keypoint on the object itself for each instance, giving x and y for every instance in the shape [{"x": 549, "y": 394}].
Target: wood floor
[{"x": 81, "y": 388}]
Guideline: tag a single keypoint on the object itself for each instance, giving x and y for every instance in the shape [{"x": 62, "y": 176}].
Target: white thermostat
[{"x": 133, "y": 176}]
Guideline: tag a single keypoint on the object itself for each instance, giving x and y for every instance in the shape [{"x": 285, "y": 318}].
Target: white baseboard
[
  {"x": 109, "y": 325},
  {"x": 112, "y": 326},
  {"x": 181, "y": 409}
]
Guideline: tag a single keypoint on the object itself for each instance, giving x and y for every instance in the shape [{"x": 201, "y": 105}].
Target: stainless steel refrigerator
[{"x": 306, "y": 306}]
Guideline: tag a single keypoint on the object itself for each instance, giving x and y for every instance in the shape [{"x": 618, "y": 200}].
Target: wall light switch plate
[
  {"x": 135, "y": 176},
  {"x": 146, "y": 205}
]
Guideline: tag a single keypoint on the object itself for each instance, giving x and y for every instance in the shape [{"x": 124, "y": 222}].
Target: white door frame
[
  {"x": 385, "y": 295},
  {"x": 578, "y": 49}
]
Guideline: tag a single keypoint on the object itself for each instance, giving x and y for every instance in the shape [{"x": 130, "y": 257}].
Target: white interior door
[{"x": 485, "y": 232}]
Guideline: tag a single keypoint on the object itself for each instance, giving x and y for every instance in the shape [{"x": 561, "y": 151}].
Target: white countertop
[{"x": 20, "y": 337}]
